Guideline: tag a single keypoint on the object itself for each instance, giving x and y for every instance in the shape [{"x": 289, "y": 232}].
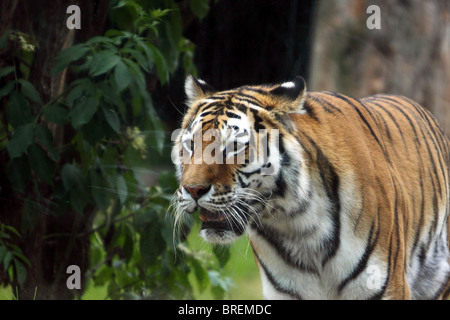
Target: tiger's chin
[{"x": 218, "y": 228}]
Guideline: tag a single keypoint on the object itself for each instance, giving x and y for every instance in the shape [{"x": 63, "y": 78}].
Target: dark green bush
[{"x": 111, "y": 136}]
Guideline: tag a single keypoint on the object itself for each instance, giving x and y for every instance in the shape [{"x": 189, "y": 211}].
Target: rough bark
[{"x": 409, "y": 55}]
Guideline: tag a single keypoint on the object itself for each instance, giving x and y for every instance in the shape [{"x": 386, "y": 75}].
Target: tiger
[{"x": 350, "y": 202}]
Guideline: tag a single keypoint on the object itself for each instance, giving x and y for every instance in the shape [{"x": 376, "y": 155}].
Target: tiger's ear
[
  {"x": 291, "y": 94},
  {"x": 196, "y": 89}
]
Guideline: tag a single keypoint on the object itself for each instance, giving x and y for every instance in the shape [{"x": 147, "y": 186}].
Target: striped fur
[{"x": 356, "y": 204}]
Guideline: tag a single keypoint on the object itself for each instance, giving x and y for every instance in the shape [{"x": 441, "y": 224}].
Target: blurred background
[{"x": 86, "y": 117}]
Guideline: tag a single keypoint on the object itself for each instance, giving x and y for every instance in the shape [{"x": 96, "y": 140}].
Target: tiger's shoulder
[{"x": 388, "y": 117}]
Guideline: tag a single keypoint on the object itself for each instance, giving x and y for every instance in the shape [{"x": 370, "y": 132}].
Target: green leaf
[
  {"x": 161, "y": 65},
  {"x": 112, "y": 118},
  {"x": 71, "y": 175},
  {"x": 99, "y": 39},
  {"x": 6, "y": 260},
  {"x": 97, "y": 129},
  {"x": 199, "y": 7},
  {"x": 83, "y": 112},
  {"x": 158, "y": 132},
  {"x": 219, "y": 284},
  {"x": 30, "y": 215},
  {"x": 68, "y": 55},
  {"x": 144, "y": 45},
  {"x": 102, "y": 62},
  {"x": 110, "y": 158},
  {"x": 128, "y": 245},
  {"x": 21, "y": 272},
  {"x": 103, "y": 275},
  {"x": 18, "y": 172},
  {"x": 125, "y": 14},
  {"x": 100, "y": 190},
  {"x": 17, "y": 252},
  {"x": 13, "y": 230},
  {"x": 136, "y": 70},
  {"x": 17, "y": 111},
  {"x": 151, "y": 243},
  {"x": 56, "y": 114},
  {"x": 122, "y": 76},
  {"x": 4, "y": 39},
  {"x": 29, "y": 91},
  {"x": 200, "y": 274},
  {"x": 139, "y": 58},
  {"x": 167, "y": 232},
  {"x": 113, "y": 33},
  {"x": 5, "y": 90},
  {"x": 72, "y": 178},
  {"x": 3, "y": 251},
  {"x": 222, "y": 254},
  {"x": 21, "y": 139},
  {"x": 82, "y": 86},
  {"x": 168, "y": 181},
  {"x": 42, "y": 166},
  {"x": 159, "y": 13},
  {"x": 122, "y": 189},
  {"x": 6, "y": 70},
  {"x": 45, "y": 138},
  {"x": 77, "y": 199}
]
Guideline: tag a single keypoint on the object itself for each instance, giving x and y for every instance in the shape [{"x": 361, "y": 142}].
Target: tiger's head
[{"x": 232, "y": 153}]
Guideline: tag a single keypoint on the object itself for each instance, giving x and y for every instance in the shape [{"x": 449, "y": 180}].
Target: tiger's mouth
[
  {"x": 222, "y": 221},
  {"x": 213, "y": 220},
  {"x": 208, "y": 216}
]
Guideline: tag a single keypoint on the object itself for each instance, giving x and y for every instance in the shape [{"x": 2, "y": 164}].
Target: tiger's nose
[{"x": 197, "y": 192}]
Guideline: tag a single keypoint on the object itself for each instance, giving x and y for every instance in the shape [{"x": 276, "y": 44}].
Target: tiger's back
[{"x": 396, "y": 160}]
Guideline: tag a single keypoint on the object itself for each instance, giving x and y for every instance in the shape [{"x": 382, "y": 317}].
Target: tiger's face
[{"x": 228, "y": 154}]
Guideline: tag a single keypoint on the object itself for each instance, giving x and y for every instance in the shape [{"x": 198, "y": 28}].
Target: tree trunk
[{"x": 409, "y": 55}]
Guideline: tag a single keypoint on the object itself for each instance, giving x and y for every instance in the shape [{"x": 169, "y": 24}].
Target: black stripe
[
  {"x": 393, "y": 120},
  {"x": 274, "y": 283},
  {"x": 273, "y": 238},
  {"x": 432, "y": 159},
  {"x": 248, "y": 174},
  {"x": 310, "y": 111},
  {"x": 259, "y": 91},
  {"x": 438, "y": 138},
  {"x": 421, "y": 217},
  {"x": 380, "y": 294},
  {"x": 217, "y": 97},
  {"x": 204, "y": 114},
  {"x": 362, "y": 263},
  {"x": 379, "y": 117},
  {"x": 396, "y": 226},
  {"x": 242, "y": 183},
  {"x": 248, "y": 98},
  {"x": 330, "y": 182},
  {"x": 328, "y": 107},
  {"x": 425, "y": 115},
  {"x": 280, "y": 185},
  {"x": 399, "y": 107},
  {"x": 372, "y": 115},
  {"x": 344, "y": 98},
  {"x": 258, "y": 121},
  {"x": 232, "y": 115}
]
